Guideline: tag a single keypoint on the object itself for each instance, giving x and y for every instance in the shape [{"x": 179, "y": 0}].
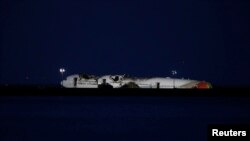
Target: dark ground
[{"x": 43, "y": 114}]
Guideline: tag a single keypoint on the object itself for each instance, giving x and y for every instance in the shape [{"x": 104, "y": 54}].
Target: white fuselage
[{"x": 117, "y": 81}]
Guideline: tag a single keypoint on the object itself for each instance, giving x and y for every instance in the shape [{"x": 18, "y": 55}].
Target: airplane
[{"x": 125, "y": 81}]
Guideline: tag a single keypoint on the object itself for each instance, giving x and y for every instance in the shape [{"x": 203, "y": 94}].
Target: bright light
[{"x": 62, "y": 70}]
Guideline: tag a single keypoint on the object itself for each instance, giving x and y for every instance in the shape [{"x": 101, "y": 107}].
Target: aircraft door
[
  {"x": 75, "y": 81},
  {"x": 157, "y": 85}
]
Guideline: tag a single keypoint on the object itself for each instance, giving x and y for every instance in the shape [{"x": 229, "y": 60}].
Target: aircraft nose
[{"x": 203, "y": 85}]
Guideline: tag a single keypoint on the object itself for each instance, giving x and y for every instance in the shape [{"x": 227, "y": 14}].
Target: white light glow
[{"x": 62, "y": 70}]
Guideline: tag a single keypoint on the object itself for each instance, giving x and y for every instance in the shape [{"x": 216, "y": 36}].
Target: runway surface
[{"x": 110, "y": 117}]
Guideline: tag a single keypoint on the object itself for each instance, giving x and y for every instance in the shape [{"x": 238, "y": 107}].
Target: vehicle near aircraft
[{"x": 125, "y": 81}]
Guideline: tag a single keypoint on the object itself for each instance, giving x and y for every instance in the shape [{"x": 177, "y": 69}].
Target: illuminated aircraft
[{"x": 124, "y": 81}]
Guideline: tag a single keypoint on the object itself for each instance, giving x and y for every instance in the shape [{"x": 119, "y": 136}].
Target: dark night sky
[{"x": 201, "y": 39}]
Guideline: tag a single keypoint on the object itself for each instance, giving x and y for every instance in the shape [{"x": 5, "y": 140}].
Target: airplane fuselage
[{"x": 119, "y": 81}]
